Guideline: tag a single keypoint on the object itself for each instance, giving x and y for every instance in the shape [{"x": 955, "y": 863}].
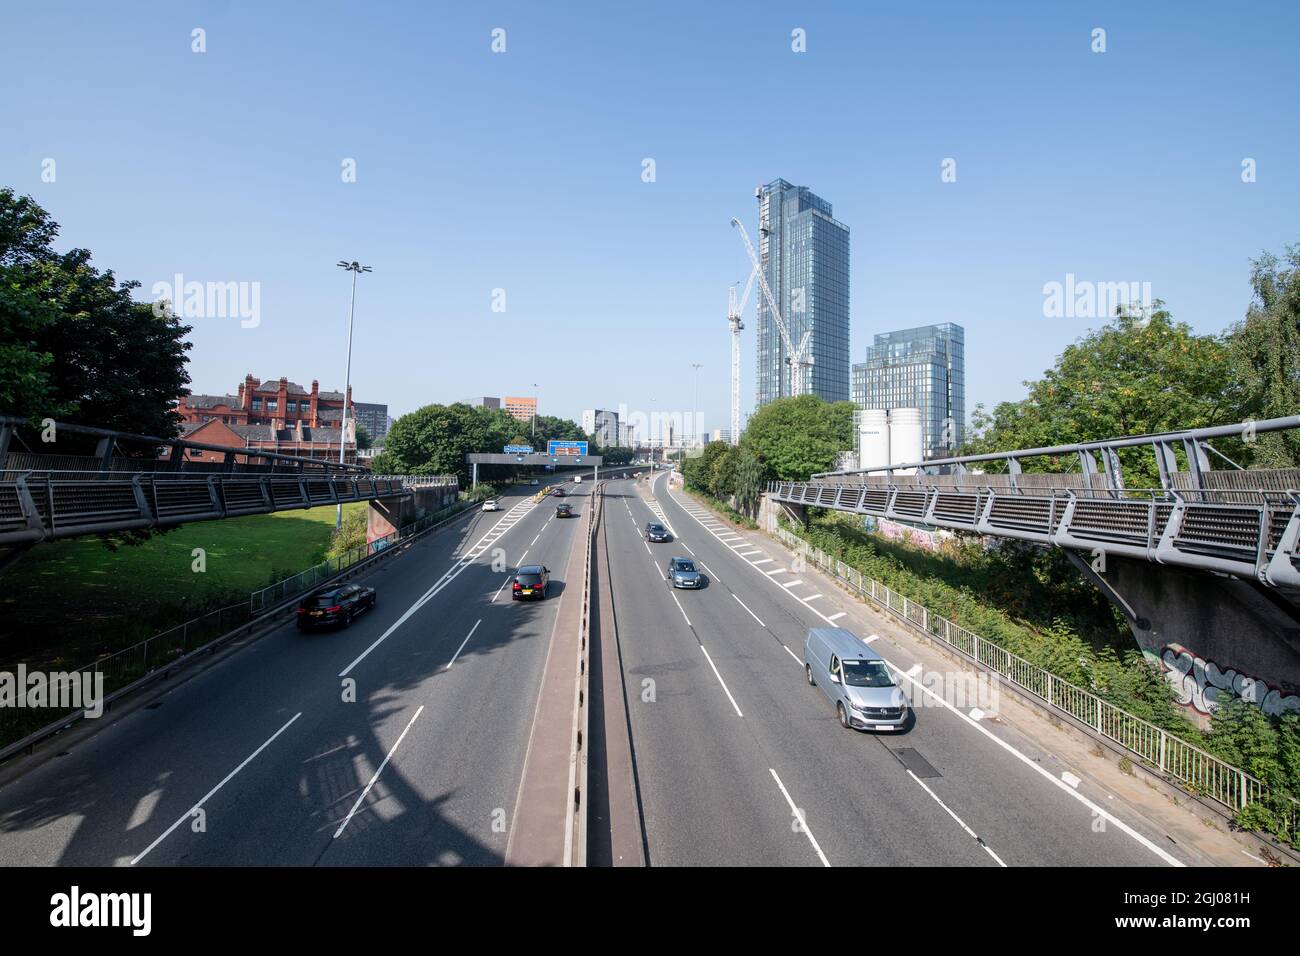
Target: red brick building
[{"x": 279, "y": 416}]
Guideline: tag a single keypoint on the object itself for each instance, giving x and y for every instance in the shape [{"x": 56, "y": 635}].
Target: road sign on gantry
[{"x": 577, "y": 449}]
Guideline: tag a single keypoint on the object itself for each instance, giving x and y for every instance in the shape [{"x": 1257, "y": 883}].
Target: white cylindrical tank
[
  {"x": 873, "y": 438},
  {"x": 905, "y": 437}
]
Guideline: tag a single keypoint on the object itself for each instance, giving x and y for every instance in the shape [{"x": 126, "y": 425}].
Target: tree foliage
[
  {"x": 74, "y": 345},
  {"x": 795, "y": 437}
]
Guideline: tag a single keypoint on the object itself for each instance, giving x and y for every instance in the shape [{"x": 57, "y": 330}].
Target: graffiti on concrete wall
[{"x": 1204, "y": 684}]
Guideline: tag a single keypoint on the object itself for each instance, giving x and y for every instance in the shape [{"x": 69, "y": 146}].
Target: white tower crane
[
  {"x": 798, "y": 359},
  {"x": 734, "y": 312}
]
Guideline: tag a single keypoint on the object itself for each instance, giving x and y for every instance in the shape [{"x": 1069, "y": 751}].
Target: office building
[
  {"x": 483, "y": 401},
  {"x": 373, "y": 418},
  {"x": 602, "y": 424},
  {"x": 804, "y": 254},
  {"x": 522, "y": 409},
  {"x": 921, "y": 368}
]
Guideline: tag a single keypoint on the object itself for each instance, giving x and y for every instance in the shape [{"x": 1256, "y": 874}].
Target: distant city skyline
[{"x": 563, "y": 220}]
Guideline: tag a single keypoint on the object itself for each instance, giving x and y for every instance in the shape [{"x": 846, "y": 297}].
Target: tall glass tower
[
  {"x": 805, "y": 257},
  {"x": 921, "y": 368}
]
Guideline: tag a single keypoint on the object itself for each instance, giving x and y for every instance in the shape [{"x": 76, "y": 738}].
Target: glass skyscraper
[
  {"x": 805, "y": 258},
  {"x": 921, "y": 368}
]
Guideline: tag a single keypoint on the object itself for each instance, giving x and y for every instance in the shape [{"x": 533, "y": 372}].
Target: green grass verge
[{"x": 68, "y": 601}]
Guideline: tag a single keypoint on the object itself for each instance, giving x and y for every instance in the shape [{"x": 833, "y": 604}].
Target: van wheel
[
  {"x": 843, "y": 714},
  {"x": 807, "y": 669}
]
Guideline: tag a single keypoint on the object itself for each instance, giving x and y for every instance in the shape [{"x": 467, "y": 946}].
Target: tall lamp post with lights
[{"x": 356, "y": 269}]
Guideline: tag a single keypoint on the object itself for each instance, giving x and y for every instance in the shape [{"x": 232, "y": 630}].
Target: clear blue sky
[{"x": 522, "y": 171}]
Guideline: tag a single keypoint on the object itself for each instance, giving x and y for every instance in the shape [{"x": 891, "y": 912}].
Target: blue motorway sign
[
  {"x": 567, "y": 448},
  {"x": 518, "y": 449}
]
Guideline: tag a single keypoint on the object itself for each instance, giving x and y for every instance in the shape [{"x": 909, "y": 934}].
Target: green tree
[
  {"x": 1265, "y": 355},
  {"x": 76, "y": 346},
  {"x": 434, "y": 440},
  {"x": 748, "y": 482},
  {"x": 796, "y": 437},
  {"x": 363, "y": 437},
  {"x": 1139, "y": 373}
]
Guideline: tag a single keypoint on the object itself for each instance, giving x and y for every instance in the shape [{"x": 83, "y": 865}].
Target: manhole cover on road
[{"x": 913, "y": 761}]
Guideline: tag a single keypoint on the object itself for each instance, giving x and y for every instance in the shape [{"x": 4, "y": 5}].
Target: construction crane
[
  {"x": 734, "y": 312},
  {"x": 798, "y": 359}
]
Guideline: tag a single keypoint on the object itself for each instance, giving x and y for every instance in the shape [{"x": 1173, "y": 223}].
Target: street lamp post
[
  {"x": 356, "y": 269},
  {"x": 695, "y": 408},
  {"x": 533, "y": 431}
]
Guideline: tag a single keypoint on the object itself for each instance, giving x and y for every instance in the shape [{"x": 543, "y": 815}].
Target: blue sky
[{"x": 522, "y": 171}]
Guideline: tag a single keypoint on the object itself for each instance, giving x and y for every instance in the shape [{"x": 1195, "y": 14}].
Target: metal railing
[
  {"x": 47, "y": 505},
  {"x": 1192, "y": 767},
  {"x": 579, "y": 793},
  {"x": 120, "y": 669},
  {"x": 1252, "y": 534}
]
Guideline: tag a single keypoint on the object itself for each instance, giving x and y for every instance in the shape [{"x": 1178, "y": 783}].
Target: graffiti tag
[{"x": 1204, "y": 684}]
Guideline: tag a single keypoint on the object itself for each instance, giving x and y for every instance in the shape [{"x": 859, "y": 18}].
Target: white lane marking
[
  {"x": 507, "y": 521},
  {"x": 682, "y": 609},
  {"x": 1047, "y": 775},
  {"x": 977, "y": 714},
  {"x": 647, "y": 550},
  {"x": 207, "y": 796},
  {"x": 464, "y": 642},
  {"x": 764, "y": 561},
  {"x": 960, "y": 822},
  {"x": 836, "y": 616},
  {"x": 721, "y": 681},
  {"x": 355, "y": 806},
  {"x": 502, "y": 588},
  {"x": 793, "y": 654},
  {"x": 870, "y": 637},
  {"x": 1031, "y": 764},
  {"x": 1255, "y": 858},
  {"x": 745, "y": 554},
  {"x": 777, "y": 571},
  {"x": 751, "y": 613},
  {"x": 913, "y": 671},
  {"x": 1071, "y": 779},
  {"x": 534, "y": 541},
  {"x": 521, "y": 558},
  {"x": 791, "y": 584},
  {"x": 803, "y": 824},
  {"x": 811, "y": 597},
  {"x": 687, "y": 547}
]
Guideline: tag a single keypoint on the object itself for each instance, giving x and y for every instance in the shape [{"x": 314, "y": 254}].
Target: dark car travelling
[
  {"x": 335, "y": 606},
  {"x": 530, "y": 582},
  {"x": 656, "y": 532},
  {"x": 564, "y": 511}
]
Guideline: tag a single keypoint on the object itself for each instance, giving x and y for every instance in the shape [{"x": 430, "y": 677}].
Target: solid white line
[
  {"x": 836, "y": 616},
  {"x": 682, "y": 609},
  {"x": 710, "y": 573},
  {"x": 721, "y": 681},
  {"x": 793, "y": 654},
  {"x": 348, "y": 819},
  {"x": 502, "y": 588},
  {"x": 803, "y": 824},
  {"x": 191, "y": 811},
  {"x": 521, "y": 558},
  {"x": 961, "y": 823},
  {"x": 464, "y": 642},
  {"x": 687, "y": 547},
  {"x": 751, "y": 613},
  {"x": 534, "y": 541}
]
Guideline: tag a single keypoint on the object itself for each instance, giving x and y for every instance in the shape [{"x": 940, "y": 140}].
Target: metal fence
[
  {"x": 121, "y": 668},
  {"x": 1197, "y": 770}
]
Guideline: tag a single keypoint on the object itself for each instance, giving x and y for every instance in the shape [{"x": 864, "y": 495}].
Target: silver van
[{"x": 855, "y": 678}]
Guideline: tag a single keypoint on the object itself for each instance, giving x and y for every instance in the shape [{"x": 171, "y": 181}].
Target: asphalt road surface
[
  {"x": 260, "y": 759},
  {"x": 740, "y": 762}
]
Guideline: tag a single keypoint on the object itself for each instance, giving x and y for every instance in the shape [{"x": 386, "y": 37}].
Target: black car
[
  {"x": 564, "y": 511},
  {"x": 656, "y": 532},
  {"x": 530, "y": 582},
  {"x": 335, "y": 606},
  {"x": 558, "y": 492}
]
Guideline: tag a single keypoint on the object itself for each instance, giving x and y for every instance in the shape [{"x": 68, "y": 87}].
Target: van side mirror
[{"x": 835, "y": 679}]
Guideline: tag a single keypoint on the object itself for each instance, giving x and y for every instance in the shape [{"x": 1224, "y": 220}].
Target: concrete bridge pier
[
  {"x": 1215, "y": 637},
  {"x": 387, "y": 515}
]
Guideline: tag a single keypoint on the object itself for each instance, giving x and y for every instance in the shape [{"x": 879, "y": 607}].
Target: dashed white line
[
  {"x": 348, "y": 819},
  {"x": 803, "y": 824},
  {"x": 464, "y": 642},
  {"x": 709, "y": 572},
  {"x": 960, "y": 822},
  {"x": 721, "y": 681},
  {"x": 230, "y": 776},
  {"x": 682, "y": 609},
  {"x": 746, "y": 607}
]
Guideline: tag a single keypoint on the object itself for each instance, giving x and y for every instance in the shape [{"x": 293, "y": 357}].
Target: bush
[{"x": 352, "y": 533}]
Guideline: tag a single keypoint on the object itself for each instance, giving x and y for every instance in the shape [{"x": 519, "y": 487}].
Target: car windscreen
[
  {"x": 655, "y": 527},
  {"x": 528, "y": 578},
  {"x": 683, "y": 566},
  {"x": 867, "y": 674}
]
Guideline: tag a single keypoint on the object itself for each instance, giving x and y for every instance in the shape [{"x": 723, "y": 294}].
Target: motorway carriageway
[
  {"x": 258, "y": 760},
  {"x": 739, "y": 762}
]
